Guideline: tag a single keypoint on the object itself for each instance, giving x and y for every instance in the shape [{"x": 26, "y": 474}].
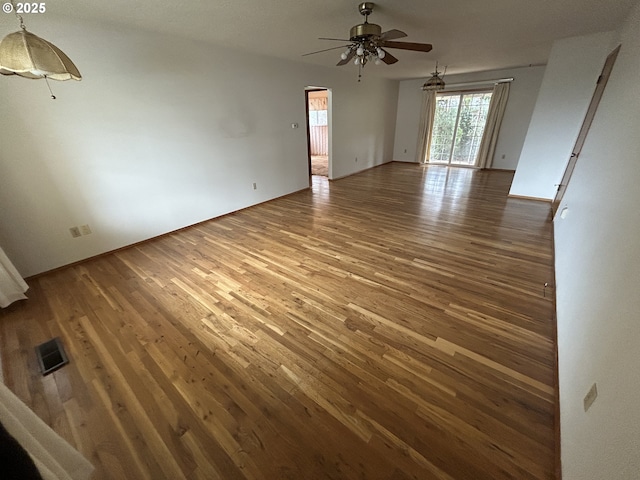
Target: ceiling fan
[{"x": 369, "y": 44}]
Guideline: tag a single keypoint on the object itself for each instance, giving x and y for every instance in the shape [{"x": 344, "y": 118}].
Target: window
[
  {"x": 317, "y": 118},
  {"x": 458, "y": 127}
]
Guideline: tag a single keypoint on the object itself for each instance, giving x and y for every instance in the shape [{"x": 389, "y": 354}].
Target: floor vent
[{"x": 51, "y": 355}]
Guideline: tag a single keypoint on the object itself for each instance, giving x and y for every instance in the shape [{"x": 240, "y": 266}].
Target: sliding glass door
[{"x": 458, "y": 127}]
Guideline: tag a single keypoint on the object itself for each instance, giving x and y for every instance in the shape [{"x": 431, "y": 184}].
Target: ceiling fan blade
[
  {"x": 325, "y": 50},
  {"x": 350, "y": 55},
  {"x": 388, "y": 58},
  {"x": 392, "y": 35},
  {"x": 336, "y": 39},
  {"x": 418, "y": 47}
]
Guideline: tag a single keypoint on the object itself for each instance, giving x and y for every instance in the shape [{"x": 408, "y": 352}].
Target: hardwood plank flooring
[{"x": 388, "y": 325}]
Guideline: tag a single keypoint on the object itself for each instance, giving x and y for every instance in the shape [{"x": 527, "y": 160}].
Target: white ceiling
[{"x": 467, "y": 35}]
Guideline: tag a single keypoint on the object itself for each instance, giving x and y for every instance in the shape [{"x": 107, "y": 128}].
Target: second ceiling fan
[{"x": 368, "y": 43}]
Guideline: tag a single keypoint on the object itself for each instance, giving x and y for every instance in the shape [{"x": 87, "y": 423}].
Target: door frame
[
  {"x": 329, "y": 122},
  {"x": 584, "y": 129}
]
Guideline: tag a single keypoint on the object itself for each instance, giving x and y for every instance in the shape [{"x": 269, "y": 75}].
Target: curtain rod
[{"x": 482, "y": 82}]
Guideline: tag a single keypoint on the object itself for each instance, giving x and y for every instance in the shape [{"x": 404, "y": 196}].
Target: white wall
[
  {"x": 522, "y": 99},
  {"x": 162, "y": 133},
  {"x": 570, "y": 79},
  {"x": 363, "y": 124},
  {"x": 598, "y": 274}
]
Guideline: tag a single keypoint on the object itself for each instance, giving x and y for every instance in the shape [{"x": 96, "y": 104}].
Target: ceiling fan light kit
[{"x": 368, "y": 43}]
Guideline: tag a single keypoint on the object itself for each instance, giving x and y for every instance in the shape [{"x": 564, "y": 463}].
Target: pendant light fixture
[
  {"x": 435, "y": 82},
  {"x": 27, "y": 55}
]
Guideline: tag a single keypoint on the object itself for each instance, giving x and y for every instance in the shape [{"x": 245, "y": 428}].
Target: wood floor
[{"x": 389, "y": 325}]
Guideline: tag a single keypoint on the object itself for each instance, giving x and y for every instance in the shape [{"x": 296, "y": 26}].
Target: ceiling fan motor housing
[{"x": 364, "y": 31}]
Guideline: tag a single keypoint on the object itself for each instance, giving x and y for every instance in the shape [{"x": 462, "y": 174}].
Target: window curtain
[
  {"x": 492, "y": 127},
  {"x": 53, "y": 456},
  {"x": 12, "y": 286},
  {"x": 427, "y": 118}
]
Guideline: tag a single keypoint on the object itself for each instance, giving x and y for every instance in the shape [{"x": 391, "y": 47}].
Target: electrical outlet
[
  {"x": 75, "y": 232},
  {"x": 590, "y": 397},
  {"x": 85, "y": 230},
  {"x": 405, "y": 150},
  {"x": 254, "y": 185},
  {"x": 356, "y": 159}
]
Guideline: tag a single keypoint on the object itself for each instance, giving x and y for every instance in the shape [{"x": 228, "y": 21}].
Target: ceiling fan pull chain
[{"x": 53, "y": 97}]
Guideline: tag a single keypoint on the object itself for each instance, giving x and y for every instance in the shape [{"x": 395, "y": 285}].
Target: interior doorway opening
[{"x": 318, "y": 131}]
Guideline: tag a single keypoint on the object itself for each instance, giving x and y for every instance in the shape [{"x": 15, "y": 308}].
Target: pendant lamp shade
[
  {"x": 25, "y": 54},
  {"x": 434, "y": 83}
]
